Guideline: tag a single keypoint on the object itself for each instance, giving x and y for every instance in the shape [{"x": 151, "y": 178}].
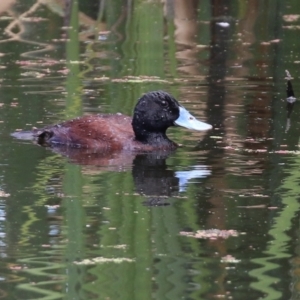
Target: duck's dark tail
[
  {"x": 43, "y": 137},
  {"x": 40, "y": 136}
]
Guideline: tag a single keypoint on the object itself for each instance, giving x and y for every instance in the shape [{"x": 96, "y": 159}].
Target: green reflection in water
[
  {"x": 74, "y": 82},
  {"x": 170, "y": 266},
  {"x": 126, "y": 223},
  {"x": 47, "y": 289},
  {"x": 33, "y": 230},
  {"x": 277, "y": 247},
  {"x": 72, "y": 183},
  {"x": 199, "y": 284}
]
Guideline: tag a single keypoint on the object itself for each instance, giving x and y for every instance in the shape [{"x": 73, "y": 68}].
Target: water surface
[{"x": 218, "y": 218}]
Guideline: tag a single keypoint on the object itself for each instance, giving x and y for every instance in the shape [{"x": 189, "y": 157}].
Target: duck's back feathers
[{"x": 93, "y": 131}]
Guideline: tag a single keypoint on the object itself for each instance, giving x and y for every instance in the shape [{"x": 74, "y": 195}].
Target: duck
[{"x": 153, "y": 114}]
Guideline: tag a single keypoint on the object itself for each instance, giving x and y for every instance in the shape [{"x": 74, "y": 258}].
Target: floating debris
[
  {"x": 33, "y": 19},
  {"x": 122, "y": 246},
  {"x": 230, "y": 259},
  {"x": 139, "y": 79},
  {"x": 291, "y": 27},
  {"x": 291, "y": 18},
  {"x": 33, "y": 74},
  {"x": 103, "y": 35},
  {"x": 211, "y": 234},
  {"x": 202, "y": 46},
  {"x": 102, "y": 260},
  {"x": 252, "y": 206},
  {"x": 223, "y": 24},
  {"x": 3, "y": 194}
]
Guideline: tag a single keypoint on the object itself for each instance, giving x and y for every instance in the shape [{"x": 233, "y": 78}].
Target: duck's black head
[{"x": 155, "y": 112}]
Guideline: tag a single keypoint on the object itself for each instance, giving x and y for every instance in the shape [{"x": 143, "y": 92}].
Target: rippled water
[{"x": 217, "y": 218}]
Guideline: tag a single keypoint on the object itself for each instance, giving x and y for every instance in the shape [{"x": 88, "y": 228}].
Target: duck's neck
[{"x": 155, "y": 139}]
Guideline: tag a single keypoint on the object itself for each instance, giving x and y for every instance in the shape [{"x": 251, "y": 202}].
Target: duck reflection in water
[
  {"x": 152, "y": 176},
  {"x": 157, "y": 182}
]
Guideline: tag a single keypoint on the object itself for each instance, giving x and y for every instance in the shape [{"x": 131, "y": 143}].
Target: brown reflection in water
[
  {"x": 20, "y": 25},
  {"x": 151, "y": 175},
  {"x": 217, "y": 98},
  {"x": 5, "y": 5},
  {"x": 258, "y": 112},
  {"x": 245, "y": 38},
  {"x": 185, "y": 21},
  {"x": 222, "y": 99}
]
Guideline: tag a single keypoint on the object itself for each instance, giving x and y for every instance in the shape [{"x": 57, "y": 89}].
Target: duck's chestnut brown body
[{"x": 109, "y": 131}]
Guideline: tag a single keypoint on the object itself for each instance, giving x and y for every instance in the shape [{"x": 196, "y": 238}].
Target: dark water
[{"x": 216, "y": 219}]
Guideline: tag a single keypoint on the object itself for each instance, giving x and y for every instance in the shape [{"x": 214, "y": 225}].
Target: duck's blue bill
[{"x": 186, "y": 120}]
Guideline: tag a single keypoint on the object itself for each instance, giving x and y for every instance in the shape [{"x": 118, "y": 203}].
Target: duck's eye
[{"x": 164, "y": 103}]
